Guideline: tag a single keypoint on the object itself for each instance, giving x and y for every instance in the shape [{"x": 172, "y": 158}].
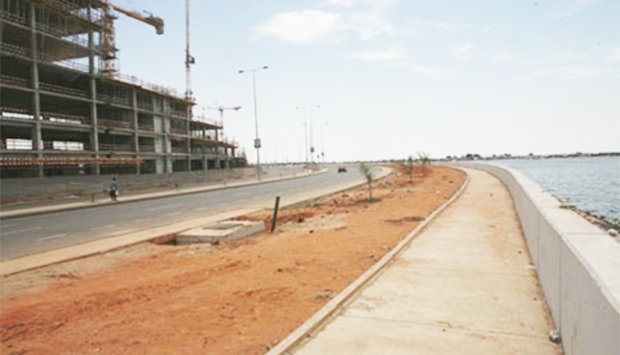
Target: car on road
[{"x": 342, "y": 169}]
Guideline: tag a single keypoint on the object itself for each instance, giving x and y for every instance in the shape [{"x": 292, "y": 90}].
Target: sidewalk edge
[{"x": 298, "y": 336}]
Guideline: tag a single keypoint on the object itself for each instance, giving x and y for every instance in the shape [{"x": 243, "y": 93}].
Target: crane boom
[{"x": 154, "y": 21}]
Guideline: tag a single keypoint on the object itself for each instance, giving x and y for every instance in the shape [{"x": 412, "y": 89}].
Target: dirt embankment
[{"x": 233, "y": 298}]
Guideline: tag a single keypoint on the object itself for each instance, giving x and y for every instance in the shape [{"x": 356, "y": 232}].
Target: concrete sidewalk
[{"x": 464, "y": 285}]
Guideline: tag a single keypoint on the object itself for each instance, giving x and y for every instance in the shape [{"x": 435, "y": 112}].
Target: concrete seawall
[{"x": 577, "y": 263}]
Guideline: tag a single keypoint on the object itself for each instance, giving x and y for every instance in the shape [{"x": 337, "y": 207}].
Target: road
[{"x": 35, "y": 234}]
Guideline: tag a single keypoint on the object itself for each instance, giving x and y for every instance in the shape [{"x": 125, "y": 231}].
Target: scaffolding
[
  {"x": 58, "y": 108},
  {"x": 21, "y": 162}
]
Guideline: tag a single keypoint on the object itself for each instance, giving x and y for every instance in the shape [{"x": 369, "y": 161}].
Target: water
[{"x": 590, "y": 184}]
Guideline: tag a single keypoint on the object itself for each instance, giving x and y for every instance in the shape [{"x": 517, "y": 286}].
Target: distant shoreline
[{"x": 469, "y": 157}]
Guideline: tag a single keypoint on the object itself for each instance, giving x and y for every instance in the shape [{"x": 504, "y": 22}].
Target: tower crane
[
  {"x": 108, "y": 41},
  {"x": 222, "y": 109}
]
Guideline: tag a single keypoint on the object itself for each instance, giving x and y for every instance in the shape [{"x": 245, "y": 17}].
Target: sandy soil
[{"x": 241, "y": 297}]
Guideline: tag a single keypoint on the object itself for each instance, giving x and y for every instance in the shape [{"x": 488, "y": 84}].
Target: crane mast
[{"x": 189, "y": 60}]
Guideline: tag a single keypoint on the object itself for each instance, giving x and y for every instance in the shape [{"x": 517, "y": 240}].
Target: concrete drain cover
[
  {"x": 223, "y": 226},
  {"x": 220, "y": 231}
]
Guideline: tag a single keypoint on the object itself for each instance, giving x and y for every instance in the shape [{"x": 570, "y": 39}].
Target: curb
[
  {"x": 82, "y": 205},
  {"x": 100, "y": 246},
  {"x": 303, "y": 332}
]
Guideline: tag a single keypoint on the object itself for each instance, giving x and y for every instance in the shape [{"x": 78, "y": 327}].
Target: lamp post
[
  {"x": 305, "y": 130},
  {"x": 310, "y": 108},
  {"x": 323, "y": 143},
  {"x": 257, "y": 144}
]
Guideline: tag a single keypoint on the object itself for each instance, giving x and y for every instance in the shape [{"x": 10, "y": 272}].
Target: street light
[
  {"x": 256, "y": 140},
  {"x": 323, "y": 143},
  {"x": 306, "y": 108}
]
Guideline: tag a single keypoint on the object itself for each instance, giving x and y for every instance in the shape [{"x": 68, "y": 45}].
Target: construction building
[{"x": 64, "y": 109}]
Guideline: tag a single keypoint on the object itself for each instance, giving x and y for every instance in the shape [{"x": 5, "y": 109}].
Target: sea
[{"x": 591, "y": 184}]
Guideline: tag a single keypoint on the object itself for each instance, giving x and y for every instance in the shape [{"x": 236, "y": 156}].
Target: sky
[{"x": 393, "y": 78}]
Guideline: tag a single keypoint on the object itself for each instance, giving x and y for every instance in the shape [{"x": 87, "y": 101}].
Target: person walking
[{"x": 113, "y": 189}]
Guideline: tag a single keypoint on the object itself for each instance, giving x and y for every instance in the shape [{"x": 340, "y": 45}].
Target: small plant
[
  {"x": 367, "y": 172},
  {"x": 409, "y": 168},
  {"x": 425, "y": 161}
]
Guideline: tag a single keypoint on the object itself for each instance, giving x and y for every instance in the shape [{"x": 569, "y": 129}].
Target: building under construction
[{"x": 64, "y": 109}]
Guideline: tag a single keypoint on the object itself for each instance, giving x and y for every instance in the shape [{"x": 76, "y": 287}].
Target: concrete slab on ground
[{"x": 220, "y": 232}]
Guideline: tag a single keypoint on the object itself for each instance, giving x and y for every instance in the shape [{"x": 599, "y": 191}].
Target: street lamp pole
[
  {"x": 305, "y": 129},
  {"x": 257, "y": 143},
  {"x": 306, "y": 109},
  {"x": 323, "y": 143}
]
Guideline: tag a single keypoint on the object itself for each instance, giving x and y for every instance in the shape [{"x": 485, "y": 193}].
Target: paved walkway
[{"x": 464, "y": 285}]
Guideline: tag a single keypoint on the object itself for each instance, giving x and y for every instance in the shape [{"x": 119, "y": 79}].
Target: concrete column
[
  {"x": 37, "y": 139},
  {"x": 189, "y": 137},
  {"x": 136, "y": 128},
  {"x": 166, "y": 134},
  {"x": 94, "y": 135},
  {"x": 205, "y": 164}
]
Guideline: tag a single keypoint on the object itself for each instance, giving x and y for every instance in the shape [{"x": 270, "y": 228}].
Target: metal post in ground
[{"x": 275, "y": 214}]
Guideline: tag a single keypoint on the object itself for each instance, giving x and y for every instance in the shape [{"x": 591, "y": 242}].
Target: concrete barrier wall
[
  {"x": 578, "y": 266},
  {"x": 61, "y": 188}
]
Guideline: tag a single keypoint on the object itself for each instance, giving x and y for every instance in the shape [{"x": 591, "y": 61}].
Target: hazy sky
[{"x": 395, "y": 77}]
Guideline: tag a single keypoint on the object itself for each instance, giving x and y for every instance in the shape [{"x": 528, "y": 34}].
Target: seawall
[{"x": 578, "y": 266}]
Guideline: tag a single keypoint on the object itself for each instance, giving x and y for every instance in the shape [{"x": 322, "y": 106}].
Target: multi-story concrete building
[{"x": 63, "y": 112}]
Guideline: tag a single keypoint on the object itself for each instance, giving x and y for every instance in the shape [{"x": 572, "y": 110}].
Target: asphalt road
[{"x": 35, "y": 234}]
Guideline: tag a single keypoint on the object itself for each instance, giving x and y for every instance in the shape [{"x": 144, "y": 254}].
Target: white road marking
[
  {"x": 107, "y": 226},
  {"x": 202, "y": 208},
  {"x": 163, "y": 207},
  {"x": 142, "y": 220},
  {"x": 52, "y": 237},
  {"x": 23, "y": 230},
  {"x": 172, "y": 214}
]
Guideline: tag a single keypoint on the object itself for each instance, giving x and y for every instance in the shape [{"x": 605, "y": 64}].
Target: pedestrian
[{"x": 113, "y": 189}]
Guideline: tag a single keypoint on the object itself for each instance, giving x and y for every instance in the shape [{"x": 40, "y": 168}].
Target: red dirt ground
[{"x": 234, "y": 298}]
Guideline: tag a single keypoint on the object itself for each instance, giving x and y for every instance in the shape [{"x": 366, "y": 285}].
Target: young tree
[
  {"x": 409, "y": 168},
  {"x": 367, "y": 172},
  {"x": 425, "y": 161}
]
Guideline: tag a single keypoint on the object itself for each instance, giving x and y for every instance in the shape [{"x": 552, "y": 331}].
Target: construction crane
[
  {"x": 222, "y": 109},
  {"x": 108, "y": 40},
  {"x": 189, "y": 60}
]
